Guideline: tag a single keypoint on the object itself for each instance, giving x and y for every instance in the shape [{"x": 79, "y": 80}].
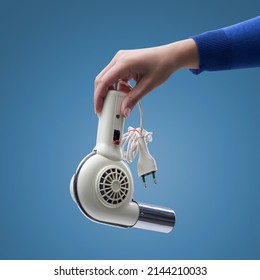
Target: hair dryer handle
[{"x": 110, "y": 127}]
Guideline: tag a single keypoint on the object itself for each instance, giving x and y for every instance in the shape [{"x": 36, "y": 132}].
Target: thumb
[{"x": 135, "y": 95}]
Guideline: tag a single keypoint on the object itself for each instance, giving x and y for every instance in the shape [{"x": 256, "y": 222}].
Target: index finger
[{"x": 106, "y": 81}]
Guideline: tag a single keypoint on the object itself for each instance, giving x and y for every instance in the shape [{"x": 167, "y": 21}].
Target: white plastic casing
[
  {"x": 86, "y": 184},
  {"x": 107, "y": 155},
  {"x": 110, "y": 121},
  {"x": 125, "y": 214}
]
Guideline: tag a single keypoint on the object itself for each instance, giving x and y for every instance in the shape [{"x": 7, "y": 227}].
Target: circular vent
[{"x": 113, "y": 187}]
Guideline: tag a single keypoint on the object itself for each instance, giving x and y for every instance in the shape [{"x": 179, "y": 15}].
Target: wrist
[{"x": 184, "y": 54}]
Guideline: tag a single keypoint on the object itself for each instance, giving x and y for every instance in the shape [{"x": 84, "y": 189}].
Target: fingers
[
  {"x": 114, "y": 73},
  {"x": 101, "y": 89},
  {"x": 143, "y": 87},
  {"x": 126, "y": 65},
  {"x": 109, "y": 66},
  {"x": 124, "y": 86},
  {"x": 104, "y": 81}
]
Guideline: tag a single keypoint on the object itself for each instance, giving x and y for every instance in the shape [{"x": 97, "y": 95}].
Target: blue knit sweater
[{"x": 233, "y": 47}]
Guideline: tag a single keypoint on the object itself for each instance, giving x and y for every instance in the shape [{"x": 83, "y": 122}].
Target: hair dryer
[{"x": 103, "y": 186}]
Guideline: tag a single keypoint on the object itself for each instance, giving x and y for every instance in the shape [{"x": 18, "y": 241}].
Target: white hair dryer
[{"x": 103, "y": 186}]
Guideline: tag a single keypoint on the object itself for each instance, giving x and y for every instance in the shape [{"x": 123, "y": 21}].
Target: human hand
[{"x": 148, "y": 67}]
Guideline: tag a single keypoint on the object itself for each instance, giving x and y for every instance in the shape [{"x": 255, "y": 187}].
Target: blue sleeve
[{"x": 233, "y": 47}]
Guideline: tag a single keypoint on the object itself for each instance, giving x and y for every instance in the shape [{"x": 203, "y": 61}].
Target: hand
[{"x": 149, "y": 68}]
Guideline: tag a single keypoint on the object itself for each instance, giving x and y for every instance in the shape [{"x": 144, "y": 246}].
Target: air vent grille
[{"x": 113, "y": 186}]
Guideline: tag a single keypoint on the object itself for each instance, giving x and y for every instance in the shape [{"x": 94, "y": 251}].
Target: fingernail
[
  {"x": 97, "y": 113},
  {"x": 127, "y": 112}
]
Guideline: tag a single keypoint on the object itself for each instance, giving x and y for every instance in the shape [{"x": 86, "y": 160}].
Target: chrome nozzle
[{"x": 155, "y": 218}]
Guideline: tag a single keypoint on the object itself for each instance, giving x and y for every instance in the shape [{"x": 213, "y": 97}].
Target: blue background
[{"x": 206, "y": 132}]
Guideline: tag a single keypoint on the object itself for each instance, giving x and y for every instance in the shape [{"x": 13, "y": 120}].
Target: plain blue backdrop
[{"x": 205, "y": 132}]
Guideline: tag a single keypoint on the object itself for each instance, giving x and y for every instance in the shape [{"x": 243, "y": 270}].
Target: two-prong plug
[
  {"x": 146, "y": 163},
  {"x": 154, "y": 178}
]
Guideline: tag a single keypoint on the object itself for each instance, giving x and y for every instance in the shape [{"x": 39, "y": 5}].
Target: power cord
[{"x": 135, "y": 141}]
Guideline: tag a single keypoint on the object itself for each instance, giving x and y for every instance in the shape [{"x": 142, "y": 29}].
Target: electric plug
[{"x": 146, "y": 164}]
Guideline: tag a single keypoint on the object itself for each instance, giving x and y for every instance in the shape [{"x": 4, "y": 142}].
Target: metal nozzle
[{"x": 156, "y": 218}]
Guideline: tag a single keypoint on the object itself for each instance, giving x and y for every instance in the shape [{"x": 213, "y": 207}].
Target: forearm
[
  {"x": 233, "y": 47},
  {"x": 183, "y": 54}
]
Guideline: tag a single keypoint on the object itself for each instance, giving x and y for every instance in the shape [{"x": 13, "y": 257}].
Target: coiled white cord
[
  {"x": 134, "y": 142},
  {"x": 130, "y": 143}
]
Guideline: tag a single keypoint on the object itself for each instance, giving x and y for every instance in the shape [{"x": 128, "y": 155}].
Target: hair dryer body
[{"x": 103, "y": 186}]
